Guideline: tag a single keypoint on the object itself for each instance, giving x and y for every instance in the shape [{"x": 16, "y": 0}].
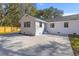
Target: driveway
[{"x": 43, "y": 45}]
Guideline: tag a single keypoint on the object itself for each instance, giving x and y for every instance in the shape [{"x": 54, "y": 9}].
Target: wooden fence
[{"x": 9, "y": 29}]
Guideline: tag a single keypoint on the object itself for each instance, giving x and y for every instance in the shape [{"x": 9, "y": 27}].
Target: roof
[
  {"x": 64, "y": 18},
  {"x": 36, "y": 19}
]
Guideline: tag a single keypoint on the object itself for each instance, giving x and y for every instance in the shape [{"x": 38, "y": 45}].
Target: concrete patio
[{"x": 43, "y": 45}]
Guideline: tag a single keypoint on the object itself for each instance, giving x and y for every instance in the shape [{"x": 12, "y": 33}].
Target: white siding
[
  {"x": 59, "y": 27},
  {"x": 39, "y": 30}
]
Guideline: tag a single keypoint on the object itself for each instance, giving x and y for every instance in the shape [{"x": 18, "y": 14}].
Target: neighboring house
[{"x": 59, "y": 25}]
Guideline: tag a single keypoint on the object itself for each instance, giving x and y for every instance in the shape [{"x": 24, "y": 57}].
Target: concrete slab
[{"x": 43, "y": 45}]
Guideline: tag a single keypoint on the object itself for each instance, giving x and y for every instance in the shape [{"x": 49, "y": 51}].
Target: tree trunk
[{"x": 22, "y": 9}]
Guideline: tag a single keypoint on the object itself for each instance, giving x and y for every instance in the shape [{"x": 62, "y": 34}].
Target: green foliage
[
  {"x": 49, "y": 13},
  {"x": 11, "y": 13},
  {"x": 74, "y": 39},
  {"x": 28, "y": 8}
]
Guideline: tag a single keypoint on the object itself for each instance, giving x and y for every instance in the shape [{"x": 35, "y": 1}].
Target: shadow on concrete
[
  {"x": 52, "y": 49},
  {"x": 14, "y": 34},
  {"x": 10, "y": 35}
]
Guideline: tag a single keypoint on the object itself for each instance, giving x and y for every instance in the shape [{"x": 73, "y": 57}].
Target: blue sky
[{"x": 68, "y": 8}]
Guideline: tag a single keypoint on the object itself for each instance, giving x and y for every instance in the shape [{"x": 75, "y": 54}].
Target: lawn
[
  {"x": 74, "y": 39},
  {"x": 7, "y": 30}
]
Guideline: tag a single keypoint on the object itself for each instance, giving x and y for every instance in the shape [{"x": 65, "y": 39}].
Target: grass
[
  {"x": 9, "y": 30},
  {"x": 74, "y": 39}
]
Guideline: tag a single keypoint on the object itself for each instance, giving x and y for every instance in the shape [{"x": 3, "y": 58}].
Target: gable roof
[
  {"x": 64, "y": 18},
  {"x": 36, "y": 19}
]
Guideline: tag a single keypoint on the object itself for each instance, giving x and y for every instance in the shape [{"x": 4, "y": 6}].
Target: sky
[{"x": 68, "y": 8}]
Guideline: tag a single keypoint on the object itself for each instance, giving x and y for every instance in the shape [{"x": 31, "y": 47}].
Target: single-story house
[
  {"x": 31, "y": 25},
  {"x": 59, "y": 25}
]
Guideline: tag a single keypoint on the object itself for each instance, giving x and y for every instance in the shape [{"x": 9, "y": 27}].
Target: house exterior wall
[
  {"x": 59, "y": 27},
  {"x": 28, "y": 30},
  {"x": 39, "y": 30}
]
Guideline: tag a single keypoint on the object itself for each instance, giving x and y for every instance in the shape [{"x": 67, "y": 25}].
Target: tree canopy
[
  {"x": 10, "y": 13},
  {"x": 48, "y": 13}
]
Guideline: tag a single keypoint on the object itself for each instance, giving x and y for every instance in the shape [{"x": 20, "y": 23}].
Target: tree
[
  {"x": 10, "y": 14},
  {"x": 58, "y": 13},
  {"x": 1, "y": 14},
  {"x": 26, "y": 8},
  {"x": 48, "y": 13}
]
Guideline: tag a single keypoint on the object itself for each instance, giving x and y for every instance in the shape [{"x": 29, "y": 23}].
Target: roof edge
[{"x": 33, "y": 17}]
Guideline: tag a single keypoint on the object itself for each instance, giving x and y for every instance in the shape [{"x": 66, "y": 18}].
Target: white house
[
  {"x": 31, "y": 25},
  {"x": 59, "y": 25}
]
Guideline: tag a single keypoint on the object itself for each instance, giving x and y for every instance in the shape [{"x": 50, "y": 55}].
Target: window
[
  {"x": 52, "y": 25},
  {"x": 40, "y": 24},
  {"x": 66, "y": 24},
  {"x": 26, "y": 24}
]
